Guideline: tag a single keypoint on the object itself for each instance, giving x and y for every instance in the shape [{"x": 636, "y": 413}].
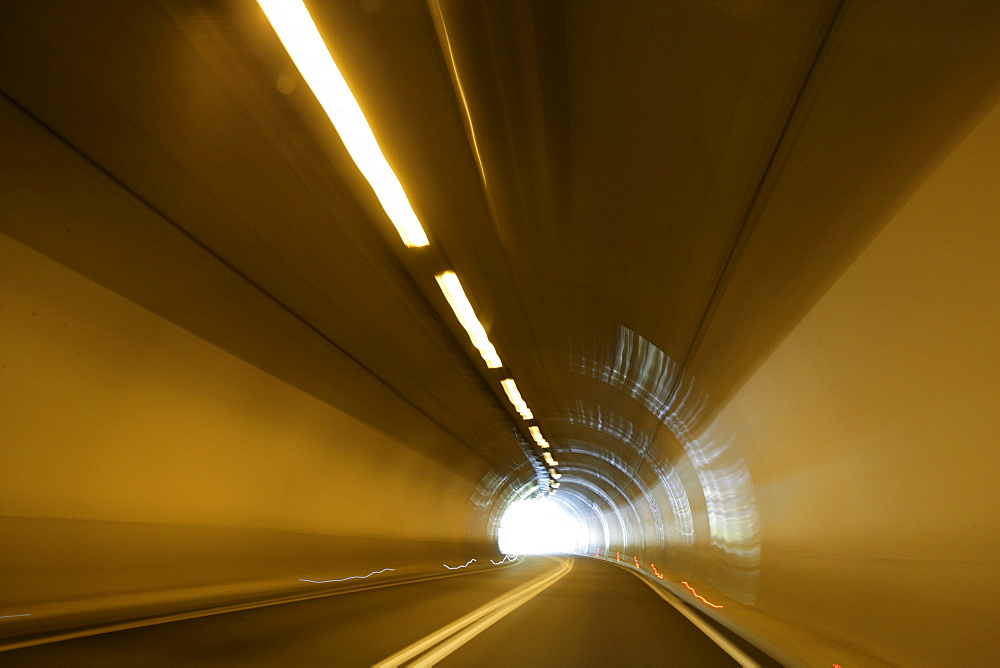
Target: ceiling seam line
[
  {"x": 225, "y": 263},
  {"x": 744, "y": 224}
]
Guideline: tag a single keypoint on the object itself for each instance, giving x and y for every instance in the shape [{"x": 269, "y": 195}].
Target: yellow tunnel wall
[
  {"x": 870, "y": 435},
  {"x": 139, "y": 456},
  {"x": 871, "y": 432}
]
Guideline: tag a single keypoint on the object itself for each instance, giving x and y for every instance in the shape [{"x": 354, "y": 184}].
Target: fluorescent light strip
[
  {"x": 555, "y": 475},
  {"x": 301, "y": 39},
  {"x": 537, "y": 435},
  {"x": 549, "y": 460},
  {"x": 453, "y": 292},
  {"x": 555, "y": 485},
  {"x": 510, "y": 387}
]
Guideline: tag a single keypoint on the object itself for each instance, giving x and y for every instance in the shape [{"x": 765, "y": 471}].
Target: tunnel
[{"x": 300, "y": 302}]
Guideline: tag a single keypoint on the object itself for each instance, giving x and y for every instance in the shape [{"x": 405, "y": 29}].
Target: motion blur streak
[
  {"x": 459, "y": 302},
  {"x": 514, "y": 395},
  {"x": 352, "y": 577},
  {"x": 697, "y": 595},
  {"x": 648, "y": 375},
  {"x": 536, "y": 434},
  {"x": 297, "y": 32},
  {"x": 454, "y": 568},
  {"x": 506, "y": 558}
]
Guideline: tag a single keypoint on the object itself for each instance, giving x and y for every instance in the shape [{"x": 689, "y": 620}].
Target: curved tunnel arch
[
  {"x": 635, "y": 480},
  {"x": 629, "y": 517}
]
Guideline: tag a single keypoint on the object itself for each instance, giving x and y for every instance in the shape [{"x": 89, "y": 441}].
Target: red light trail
[{"x": 684, "y": 582}]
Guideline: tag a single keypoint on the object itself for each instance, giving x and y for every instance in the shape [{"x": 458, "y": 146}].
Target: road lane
[
  {"x": 430, "y": 649},
  {"x": 598, "y": 615},
  {"x": 593, "y": 615},
  {"x": 354, "y": 629}
]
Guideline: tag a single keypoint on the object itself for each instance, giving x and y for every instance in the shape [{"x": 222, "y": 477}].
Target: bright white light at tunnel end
[{"x": 540, "y": 526}]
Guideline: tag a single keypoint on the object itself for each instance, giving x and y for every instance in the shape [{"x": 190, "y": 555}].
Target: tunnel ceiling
[{"x": 639, "y": 198}]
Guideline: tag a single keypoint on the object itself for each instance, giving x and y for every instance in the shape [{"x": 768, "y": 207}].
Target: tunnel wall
[
  {"x": 840, "y": 507},
  {"x": 137, "y": 456},
  {"x": 870, "y": 435}
]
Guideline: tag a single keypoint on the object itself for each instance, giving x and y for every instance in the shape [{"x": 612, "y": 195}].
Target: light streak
[
  {"x": 636, "y": 560},
  {"x": 656, "y": 572},
  {"x": 510, "y": 557},
  {"x": 536, "y": 434},
  {"x": 300, "y": 37},
  {"x": 454, "y": 568},
  {"x": 452, "y": 289},
  {"x": 514, "y": 395},
  {"x": 352, "y": 577},
  {"x": 26, "y": 614},
  {"x": 618, "y": 555},
  {"x": 684, "y": 582}
]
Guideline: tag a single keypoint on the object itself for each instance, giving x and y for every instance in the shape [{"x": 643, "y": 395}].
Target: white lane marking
[
  {"x": 26, "y": 614},
  {"x": 352, "y": 577},
  {"x": 163, "y": 619},
  {"x": 722, "y": 641},
  {"x": 448, "y": 638},
  {"x": 463, "y": 636}
]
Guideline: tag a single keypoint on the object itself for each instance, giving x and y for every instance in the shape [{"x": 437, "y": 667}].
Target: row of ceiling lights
[{"x": 300, "y": 37}]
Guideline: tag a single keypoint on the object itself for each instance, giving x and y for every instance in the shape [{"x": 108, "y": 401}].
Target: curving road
[{"x": 544, "y": 611}]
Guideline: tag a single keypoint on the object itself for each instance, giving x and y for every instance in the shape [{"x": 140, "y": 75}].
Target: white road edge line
[
  {"x": 454, "y": 635},
  {"x": 722, "y": 641}
]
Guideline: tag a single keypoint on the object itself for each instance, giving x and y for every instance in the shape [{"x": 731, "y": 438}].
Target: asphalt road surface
[{"x": 545, "y": 611}]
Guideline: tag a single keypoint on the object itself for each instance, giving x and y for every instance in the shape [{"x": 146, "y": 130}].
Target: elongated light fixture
[
  {"x": 549, "y": 459},
  {"x": 555, "y": 475},
  {"x": 510, "y": 387},
  {"x": 453, "y": 292},
  {"x": 301, "y": 39},
  {"x": 537, "y": 435}
]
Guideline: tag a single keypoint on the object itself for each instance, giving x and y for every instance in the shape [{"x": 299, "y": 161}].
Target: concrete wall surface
[
  {"x": 843, "y": 499},
  {"x": 137, "y": 457}
]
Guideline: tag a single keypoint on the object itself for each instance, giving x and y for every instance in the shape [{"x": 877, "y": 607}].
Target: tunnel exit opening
[{"x": 540, "y": 526}]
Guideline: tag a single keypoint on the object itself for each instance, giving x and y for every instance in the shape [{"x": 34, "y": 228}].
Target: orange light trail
[
  {"x": 656, "y": 572},
  {"x": 684, "y": 582}
]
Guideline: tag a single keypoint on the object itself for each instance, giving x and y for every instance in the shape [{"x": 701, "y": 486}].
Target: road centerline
[{"x": 439, "y": 644}]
